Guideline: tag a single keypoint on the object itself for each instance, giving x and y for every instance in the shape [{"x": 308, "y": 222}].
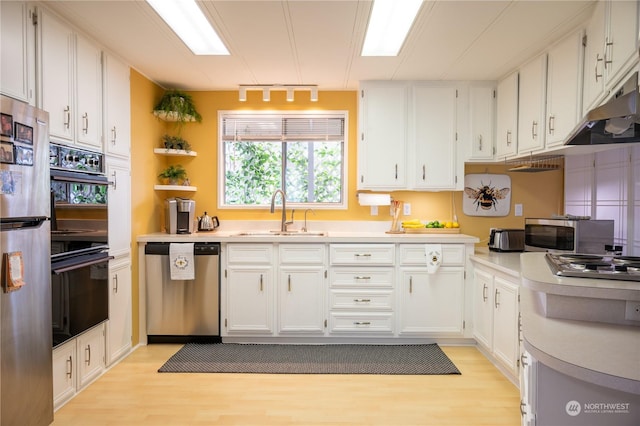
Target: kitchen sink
[{"x": 280, "y": 234}]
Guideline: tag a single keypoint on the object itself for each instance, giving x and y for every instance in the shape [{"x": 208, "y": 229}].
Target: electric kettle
[{"x": 208, "y": 223}]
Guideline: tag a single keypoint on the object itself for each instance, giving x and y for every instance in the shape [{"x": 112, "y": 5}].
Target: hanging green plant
[
  {"x": 177, "y": 106},
  {"x": 175, "y": 142},
  {"x": 173, "y": 174}
]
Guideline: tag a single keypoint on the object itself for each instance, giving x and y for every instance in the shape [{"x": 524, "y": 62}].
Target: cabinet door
[
  {"x": 250, "y": 300},
  {"x": 119, "y": 194},
  {"x": 431, "y": 303},
  {"x": 531, "y": 105},
  {"x": 482, "y": 110},
  {"x": 505, "y": 320},
  {"x": 56, "y": 58},
  {"x": 563, "y": 89},
  {"x": 301, "y": 303},
  {"x": 17, "y": 44},
  {"x": 483, "y": 308},
  {"x": 64, "y": 373},
  {"x": 622, "y": 39},
  {"x": 593, "y": 85},
  {"x": 91, "y": 355},
  {"x": 119, "y": 325},
  {"x": 117, "y": 127},
  {"x": 507, "y": 116},
  {"x": 383, "y": 137},
  {"x": 434, "y": 137},
  {"x": 88, "y": 93}
]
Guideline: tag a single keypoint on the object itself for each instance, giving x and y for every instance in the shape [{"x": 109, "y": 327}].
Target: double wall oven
[{"x": 79, "y": 241}]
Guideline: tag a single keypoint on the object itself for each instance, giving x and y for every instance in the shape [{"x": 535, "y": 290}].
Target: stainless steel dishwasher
[{"x": 183, "y": 310}]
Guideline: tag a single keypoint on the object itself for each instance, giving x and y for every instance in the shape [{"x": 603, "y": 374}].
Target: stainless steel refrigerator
[{"x": 26, "y": 384}]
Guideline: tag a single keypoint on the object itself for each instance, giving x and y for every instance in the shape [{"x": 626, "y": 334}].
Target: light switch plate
[
  {"x": 406, "y": 209},
  {"x": 374, "y": 210},
  {"x": 518, "y": 210}
]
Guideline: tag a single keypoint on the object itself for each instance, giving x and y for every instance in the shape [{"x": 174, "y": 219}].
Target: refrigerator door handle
[{"x": 9, "y": 224}]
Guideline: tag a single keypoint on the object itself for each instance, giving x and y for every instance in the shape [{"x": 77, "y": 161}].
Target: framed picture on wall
[
  {"x": 24, "y": 155},
  {"x": 6, "y": 125},
  {"x": 486, "y": 195},
  {"x": 24, "y": 133},
  {"x": 6, "y": 152}
]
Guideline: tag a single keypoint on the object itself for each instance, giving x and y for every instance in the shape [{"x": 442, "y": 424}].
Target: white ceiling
[{"x": 318, "y": 42}]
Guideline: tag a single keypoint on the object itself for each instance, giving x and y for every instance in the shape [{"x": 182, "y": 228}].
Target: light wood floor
[{"x": 133, "y": 393}]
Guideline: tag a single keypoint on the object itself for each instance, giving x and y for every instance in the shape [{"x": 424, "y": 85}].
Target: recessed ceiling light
[
  {"x": 187, "y": 20},
  {"x": 389, "y": 25}
]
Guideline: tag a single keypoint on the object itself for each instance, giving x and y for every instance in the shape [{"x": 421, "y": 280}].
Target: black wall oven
[{"x": 79, "y": 242}]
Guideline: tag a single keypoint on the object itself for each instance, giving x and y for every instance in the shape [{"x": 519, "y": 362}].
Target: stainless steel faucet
[
  {"x": 284, "y": 223},
  {"x": 304, "y": 228}
]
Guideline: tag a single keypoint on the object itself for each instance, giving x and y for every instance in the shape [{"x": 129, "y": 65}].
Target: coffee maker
[{"x": 179, "y": 215}]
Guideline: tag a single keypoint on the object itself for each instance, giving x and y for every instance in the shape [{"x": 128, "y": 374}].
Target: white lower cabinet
[
  {"x": 361, "y": 289},
  {"x": 77, "y": 363},
  {"x": 495, "y": 315},
  {"x": 301, "y": 289},
  {"x": 431, "y": 303},
  {"x": 119, "y": 324}
]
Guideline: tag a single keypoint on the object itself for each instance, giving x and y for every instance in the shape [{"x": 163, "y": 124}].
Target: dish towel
[
  {"x": 181, "y": 262},
  {"x": 434, "y": 257}
]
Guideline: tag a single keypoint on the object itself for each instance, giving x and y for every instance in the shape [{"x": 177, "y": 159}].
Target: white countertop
[{"x": 507, "y": 262}]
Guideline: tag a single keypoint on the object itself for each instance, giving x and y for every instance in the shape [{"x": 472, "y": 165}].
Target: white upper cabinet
[
  {"x": 70, "y": 82},
  {"x": 564, "y": 93},
  {"x": 482, "y": 113},
  {"x": 407, "y": 136},
  {"x": 382, "y": 140},
  {"x": 434, "y": 137},
  {"x": 611, "y": 41},
  {"x": 507, "y": 116},
  {"x": 17, "y": 44},
  {"x": 117, "y": 111},
  {"x": 531, "y": 105}
]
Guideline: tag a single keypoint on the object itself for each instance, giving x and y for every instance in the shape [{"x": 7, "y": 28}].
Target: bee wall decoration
[{"x": 487, "y": 195}]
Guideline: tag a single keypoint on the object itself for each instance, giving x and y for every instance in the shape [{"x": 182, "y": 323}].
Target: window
[{"x": 302, "y": 153}]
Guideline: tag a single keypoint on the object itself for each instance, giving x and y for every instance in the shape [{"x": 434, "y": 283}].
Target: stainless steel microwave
[{"x": 560, "y": 235}]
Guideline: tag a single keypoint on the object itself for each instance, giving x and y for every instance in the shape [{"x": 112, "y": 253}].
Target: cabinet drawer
[
  {"x": 361, "y": 277},
  {"x": 415, "y": 254},
  {"x": 370, "y": 322},
  {"x": 250, "y": 253},
  {"x": 362, "y": 254},
  {"x": 307, "y": 254},
  {"x": 365, "y": 300}
]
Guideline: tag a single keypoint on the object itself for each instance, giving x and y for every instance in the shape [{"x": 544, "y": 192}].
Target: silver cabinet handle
[
  {"x": 508, "y": 137},
  {"x": 363, "y": 254},
  {"x": 607, "y": 46},
  {"x": 522, "y": 410},
  {"x": 362, "y": 323},
  {"x": 410, "y": 284},
  {"x": 362, "y": 300},
  {"x": 552, "y": 124},
  {"x": 598, "y": 59},
  {"x": 496, "y": 301},
  {"x": 114, "y": 182},
  {"x": 85, "y": 122},
  {"x": 523, "y": 357},
  {"x": 67, "y": 114},
  {"x": 396, "y": 171},
  {"x": 361, "y": 277},
  {"x": 87, "y": 350},
  {"x": 261, "y": 282},
  {"x": 424, "y": 172},
  {"x": 484, "y": 292},
  {"x": 69, "y": 367},
  {"x": 115, "y": 283},
  {"x": 289, "y": 282},
  {"x": 480, "y": 142},
  {"x": 534, "y": 129},
  {"x": 114, "y": 135}
]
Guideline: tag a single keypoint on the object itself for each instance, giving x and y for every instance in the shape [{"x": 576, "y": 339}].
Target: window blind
[{"x": 283, "y": 127}]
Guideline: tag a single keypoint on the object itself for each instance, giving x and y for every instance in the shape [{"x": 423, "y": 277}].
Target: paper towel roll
[{"x": 434, "y": 257}]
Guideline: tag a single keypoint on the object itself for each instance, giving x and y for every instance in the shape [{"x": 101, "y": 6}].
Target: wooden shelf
[
  {"x": 175, "y": 188},
  {"x": 172, "y": 116},
  {"x": 174, "y": 152}
]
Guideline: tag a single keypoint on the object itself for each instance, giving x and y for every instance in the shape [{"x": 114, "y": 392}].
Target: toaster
[{"x": 506, "y": 240}]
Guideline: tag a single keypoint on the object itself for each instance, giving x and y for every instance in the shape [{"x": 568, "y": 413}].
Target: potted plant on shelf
[
  {"x": 177, "y": 106},
  {"x": 173, "y": 174},
  {"x": 175, "y": 142}
]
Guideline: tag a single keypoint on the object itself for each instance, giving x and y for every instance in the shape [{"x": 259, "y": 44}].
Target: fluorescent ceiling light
[
  {"x": 388, "y": 26},
  {"x": 187, "y": 20}
]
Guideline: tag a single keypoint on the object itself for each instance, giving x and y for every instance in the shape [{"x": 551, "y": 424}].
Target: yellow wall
[{"x": 540, "y": 193}]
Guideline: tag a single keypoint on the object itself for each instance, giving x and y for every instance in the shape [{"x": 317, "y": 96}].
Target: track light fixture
[{"x": 268, "y": 88}]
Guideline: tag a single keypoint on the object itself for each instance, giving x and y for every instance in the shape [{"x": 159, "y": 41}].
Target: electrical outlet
[
  {"x": 406, "y": 209},
  {"x": 632, "y": 310},
  {"x": 374, "y": 210},
  {"x": 518, "y": 209}
]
